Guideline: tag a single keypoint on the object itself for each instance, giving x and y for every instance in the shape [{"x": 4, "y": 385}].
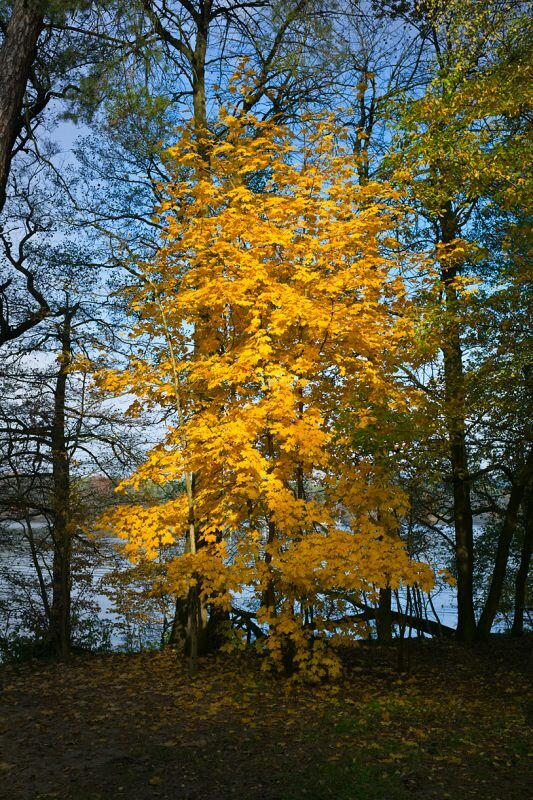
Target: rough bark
[{"x": 17, "y": 55}]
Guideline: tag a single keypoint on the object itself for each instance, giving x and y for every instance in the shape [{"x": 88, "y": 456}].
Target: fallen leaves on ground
[{"x": 103, "y": 727}]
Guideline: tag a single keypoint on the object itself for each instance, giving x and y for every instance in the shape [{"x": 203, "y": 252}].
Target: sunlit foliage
[{"x": 276, "y": 312}]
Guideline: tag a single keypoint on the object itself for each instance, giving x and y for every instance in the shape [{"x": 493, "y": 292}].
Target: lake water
[{"x": 19, "y": 591}]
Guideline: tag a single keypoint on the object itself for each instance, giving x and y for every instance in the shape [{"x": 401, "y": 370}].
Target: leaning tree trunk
[
  {"x": 17, "y": 55},
  {"x": 490, "y": 608}
]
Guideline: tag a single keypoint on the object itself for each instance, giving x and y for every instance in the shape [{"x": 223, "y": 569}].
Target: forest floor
[{"x": 457, "y": 725}]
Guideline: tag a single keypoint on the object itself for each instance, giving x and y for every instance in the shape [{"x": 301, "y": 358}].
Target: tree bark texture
[{"x": 17, "y": 55}]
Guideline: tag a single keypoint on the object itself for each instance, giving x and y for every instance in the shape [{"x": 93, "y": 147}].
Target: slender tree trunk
[
  {"x": 268, "y": 598},
  {"x": 198, "y": 82},
  {"x": 384, "y": 617},
  {"x": 38, "y": 570},
  {"x": 197, "y": 615},
  {"x": 189, "y": 629},
  {"x": 455, "y": 419},
  {"x": 403, "y": 663},
  {"x": 193, "y": 597},
  {"x": 193, "y": 625},
  {"x": 525, "y": 561},
  {"x": 464, "y": 529},
  {"x": 62, "y": 534},
  {"x": 502, "y": 552},
  {"x": 17, "y": 55}
]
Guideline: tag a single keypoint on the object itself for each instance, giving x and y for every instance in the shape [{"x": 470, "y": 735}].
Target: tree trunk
[
  {"x": 60, "y": 633},
  {"x": 455, "y": 420},
  {"x": 504, "y": 545},
  {"x": 218, "y": 625},
  {"x": 268, "y": 596},
  {"x": 196, "y": 643},
  {"x": 16, "y": 58},
  {"x": 178, "y": 631},
  {"x": 403, "y": 620},
  {"x": 43, "y": 590},
  {"x": 384, "y": 617},
  {"x": 523, "y": 569}
]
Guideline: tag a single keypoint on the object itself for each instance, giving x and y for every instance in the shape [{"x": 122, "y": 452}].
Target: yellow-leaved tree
[{"x": 276, "y": 314}]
